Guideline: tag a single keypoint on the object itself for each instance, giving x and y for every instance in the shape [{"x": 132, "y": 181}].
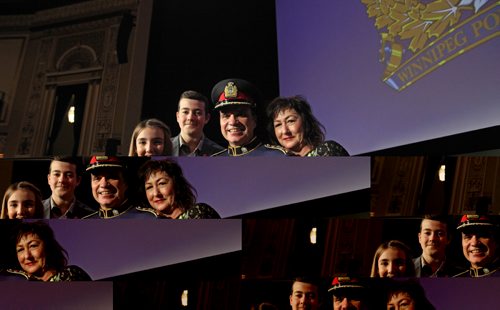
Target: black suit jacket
[{"x": 208, "y": 147}]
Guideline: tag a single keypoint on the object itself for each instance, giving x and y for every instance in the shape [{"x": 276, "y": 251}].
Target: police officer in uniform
[
  {"x": 348, "y": 293},
  {"x": 236, "y": 102},
  {"x": 479, "y": 245},
  {"x": 109, "y": 188}
]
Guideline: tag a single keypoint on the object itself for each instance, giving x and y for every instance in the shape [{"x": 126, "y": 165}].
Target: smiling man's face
[
  {"x": 479, "y": 247},
  {"x": 237, "y": 124},
  {"x": 108, "y": 187}
]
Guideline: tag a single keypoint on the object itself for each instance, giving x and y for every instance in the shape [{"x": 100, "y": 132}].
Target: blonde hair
[
  {"x": 151, "y": 123},
  {"x": 24, "y": 186}
]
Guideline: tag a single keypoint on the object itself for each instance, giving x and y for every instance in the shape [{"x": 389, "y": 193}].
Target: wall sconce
[
  {"x": 71, "y": 111},
  {"x": 441, "y": 173},
  {"x": 71, "y": 114},
  {"x": 312, "y": 235},
  {"x": 184, "y": 298}
]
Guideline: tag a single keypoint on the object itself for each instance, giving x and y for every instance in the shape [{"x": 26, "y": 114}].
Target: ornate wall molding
[
  {"x": 35, "y": 99},
  {"x": 13, "y": 23},
  {"x": 85, "y": 49},
  {"x": 477, "y": 178},
  {"x": 76, "y": 45},
  {"x": 82, "y": 10},
  {"x": 107, "y": 101},
  {"x": 396, "y": 184}
]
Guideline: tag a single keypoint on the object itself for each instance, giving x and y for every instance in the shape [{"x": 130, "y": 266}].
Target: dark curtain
[
  {"x": 63, "y": 95},
  {"x": 63, "y": 98},
  {"x": 80, "y": 99}
]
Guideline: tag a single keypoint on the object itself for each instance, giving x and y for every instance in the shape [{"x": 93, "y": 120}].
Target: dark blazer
[
  {"x": 208, "y": 147},
  {"x": 447, "y": 270},
  {"x": 77, "y": 210}
]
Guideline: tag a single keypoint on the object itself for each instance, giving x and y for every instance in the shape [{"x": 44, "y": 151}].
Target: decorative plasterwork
[
  {"x": 107, "y": 100},
  {"x": 66, "y": 14},
  {"x": 82, "y": 10},
  {"x": 10, "y": 23},
  {"x": 474, "y": 182},
  {"x": 35, "y": 100},
  {"x": 86, "y": 49}
]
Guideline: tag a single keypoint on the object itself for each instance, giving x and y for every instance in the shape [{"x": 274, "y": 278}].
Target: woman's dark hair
[
  {"x": 314, "y": 131},
  {"x": 411, "y": 287},
  {"x": 56, "y": 256},
  {"x": 185, "y": 193}
]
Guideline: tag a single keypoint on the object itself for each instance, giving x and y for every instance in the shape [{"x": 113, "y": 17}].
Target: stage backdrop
[
  {"x": 330, "y": 52},
  {"x": 115, "y": 247},
  {"x": 235, "y": 186}
]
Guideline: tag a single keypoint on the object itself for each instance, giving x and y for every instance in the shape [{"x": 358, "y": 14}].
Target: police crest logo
[
  {"x": 419, "y": 36},
  {"x": 231, "y": 91}
]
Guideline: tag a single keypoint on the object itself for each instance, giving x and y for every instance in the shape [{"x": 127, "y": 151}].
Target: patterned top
[
  {"x": 328, "y": 148},
  {"x": 198, "y": 211},
  {"x": 69, "y": 273}
]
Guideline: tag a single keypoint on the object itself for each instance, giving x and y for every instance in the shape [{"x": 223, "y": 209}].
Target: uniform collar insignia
[
  {"x": 116, "y": 211},
  {"x": 244, "y": 149}
]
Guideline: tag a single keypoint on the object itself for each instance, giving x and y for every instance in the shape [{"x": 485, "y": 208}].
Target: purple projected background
[
  {"x": 235, "y": 186},
  {"x": 328, "y": 52},
  {"x": 462, "y": 293},
  {"x": 61, "y": 295},
  {"x": 107, "y": 248}
]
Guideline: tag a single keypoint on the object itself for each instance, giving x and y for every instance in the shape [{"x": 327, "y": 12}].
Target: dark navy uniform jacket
[
  {"x": 125, "y": 211},
  {"x": 492, "y": 270},
  {"x": 253, "y": 148}
]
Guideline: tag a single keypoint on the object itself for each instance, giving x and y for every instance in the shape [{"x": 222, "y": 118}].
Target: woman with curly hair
[
  {"x": 407, "y": 295},
  {"x": 169, "y": 194},
  {"x": 40, "y": 257},
  {"x": 293, "y": 126}
]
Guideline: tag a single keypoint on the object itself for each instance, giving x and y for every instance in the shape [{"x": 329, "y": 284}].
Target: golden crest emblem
[
  {"x": 418, "y": 36},
  {"x": 230, "y": 91}
]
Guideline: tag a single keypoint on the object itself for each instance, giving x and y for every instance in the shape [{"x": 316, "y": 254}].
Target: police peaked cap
[
  {"x": 340, "y": 285},
  {"x": 235, "y": 92},
  {"x": 476, "y": 221},
  {"x": 105, "y": 162}
]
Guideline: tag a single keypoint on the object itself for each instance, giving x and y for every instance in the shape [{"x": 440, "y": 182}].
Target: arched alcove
[{"x": 77, "y": 58}]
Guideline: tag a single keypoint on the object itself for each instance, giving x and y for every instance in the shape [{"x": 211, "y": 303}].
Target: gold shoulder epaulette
[
  {"x": 146, "y": 209},
  {"x": 276, "y": 147},
  {"x": 219, "y": 152}
]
